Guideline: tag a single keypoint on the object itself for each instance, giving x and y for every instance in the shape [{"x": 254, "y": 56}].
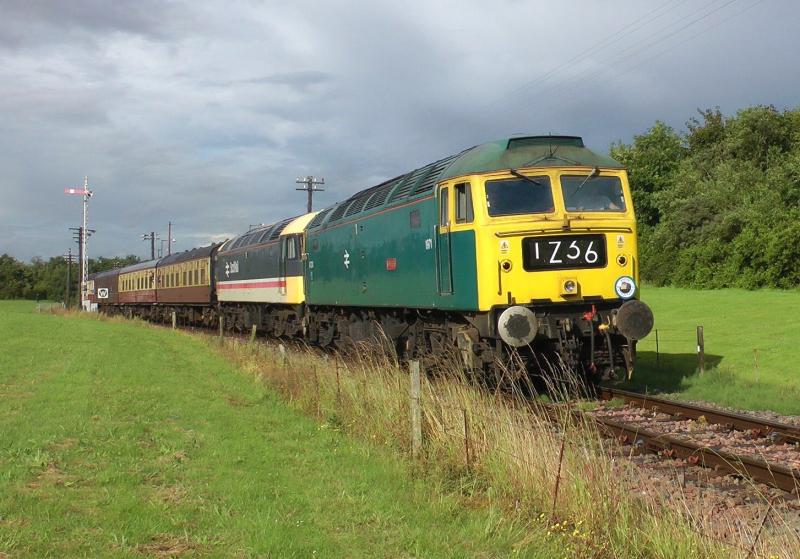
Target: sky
[{"x": 204, "y": 112}]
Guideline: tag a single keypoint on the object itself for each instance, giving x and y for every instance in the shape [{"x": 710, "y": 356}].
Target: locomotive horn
[
  {"x": 634, "y": 320},
  {"x": 517, "y": 326}
]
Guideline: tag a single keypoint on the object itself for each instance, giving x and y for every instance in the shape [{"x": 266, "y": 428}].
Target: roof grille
[
  {"x": 264, "y": 235},
  {"x": 379, "y": 197},
  {"x": 408, "y": 184},
  {"x": 357, "y": 205},
  {"x": 319, "y": 218},
  {"x": 338, "y": 212},
  {"x": 436, "y": 169},
  {"x": 279, "y": 228},
  {"x": 574, "y": 141}
]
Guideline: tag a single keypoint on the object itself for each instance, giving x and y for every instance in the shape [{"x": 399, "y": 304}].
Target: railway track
[{"x": 698, "y": 434}]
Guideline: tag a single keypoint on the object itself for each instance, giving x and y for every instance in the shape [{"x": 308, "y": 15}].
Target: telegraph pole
[
  {"x": 310, "y": 186},
  {"x": 170, "y": 240},
  {"x": 70, "y": 259},
  {"x": 84, "y": 255},
  {"x": 152, "y": 236}
]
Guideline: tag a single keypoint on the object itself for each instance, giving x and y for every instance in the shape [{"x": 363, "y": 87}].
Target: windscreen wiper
[
  {"x": 523, "y": 177},
  {"x": 593, "y": 173}
]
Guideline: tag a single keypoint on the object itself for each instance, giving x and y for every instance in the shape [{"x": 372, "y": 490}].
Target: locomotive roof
[
  {"x": 257, "y": 236},
  {"x": 509, "y": 153},
  {"x": 186, "y": 255},
  {"x": 527, "y": 151}
]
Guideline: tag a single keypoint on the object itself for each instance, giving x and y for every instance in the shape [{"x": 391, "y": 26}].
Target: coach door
[{"x": 444, "y": 269}]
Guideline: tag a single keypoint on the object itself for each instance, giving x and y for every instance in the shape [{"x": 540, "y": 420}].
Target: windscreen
[
  {"x": 519, "y": 196},
  {"x": 592, "y": 194}
]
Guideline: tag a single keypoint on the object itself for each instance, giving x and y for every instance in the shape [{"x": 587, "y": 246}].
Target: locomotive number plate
[{"x": 563, "y": 252}]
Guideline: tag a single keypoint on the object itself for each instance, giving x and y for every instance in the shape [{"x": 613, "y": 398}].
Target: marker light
[
  {"x": 570, "y": 286},
  {"x": 625, "y": 287}
]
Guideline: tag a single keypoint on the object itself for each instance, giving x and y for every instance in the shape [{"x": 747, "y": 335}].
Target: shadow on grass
[{"x": 668, "y": 371}]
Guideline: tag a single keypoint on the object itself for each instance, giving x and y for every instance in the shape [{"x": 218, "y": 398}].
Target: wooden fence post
[
  {"x": 282, "y": 351},
  {"x": 253, "y": 334},
  {"x": 755, "y": 362},
  {"x": 467, "y": 457},
  {"x": 174, "y": 320},
  {"x": 416, "y": 411},
  {"x": 558, "y": 474},
  {"x": 221, "y": 326},
  {"x": 701, "y": 350},
  {"x": 338, "y": 385},
  {"x": 316, "y": 390},
  {"x": 658, "y": 358}
]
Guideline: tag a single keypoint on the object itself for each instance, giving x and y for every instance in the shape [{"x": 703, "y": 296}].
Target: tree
[
  {"x": 718, "y": 204},
  {"x": 651, "y": 160}
]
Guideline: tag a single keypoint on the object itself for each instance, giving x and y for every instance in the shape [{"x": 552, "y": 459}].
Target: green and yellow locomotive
[{"x": 527, "y": 242}]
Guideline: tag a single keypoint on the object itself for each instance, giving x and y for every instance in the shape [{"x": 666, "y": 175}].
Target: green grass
[
  {"x": 122, "y": 440},
  {"x": 752, "y": 354}
]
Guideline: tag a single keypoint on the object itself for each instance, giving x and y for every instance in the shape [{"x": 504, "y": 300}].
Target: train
[{"x": 522, "y": 246}]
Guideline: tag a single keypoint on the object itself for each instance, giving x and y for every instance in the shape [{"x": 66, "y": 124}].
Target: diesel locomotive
[{"x": 523, "y": 245}]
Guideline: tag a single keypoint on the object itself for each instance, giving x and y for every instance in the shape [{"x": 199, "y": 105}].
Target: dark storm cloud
[{"x": 204, "y": 113}]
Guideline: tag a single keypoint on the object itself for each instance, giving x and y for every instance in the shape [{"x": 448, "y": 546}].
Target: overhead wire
[
  {"x": 556, "y": 91},
  {"x": 611, "y": 39},
  {"x": 695, "y": 35}
]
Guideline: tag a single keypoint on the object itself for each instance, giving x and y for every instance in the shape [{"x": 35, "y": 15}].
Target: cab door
[
  {"x": 308, "y": 264},
  {"x": 444, "y": 267},
  {"x": 285, "y": 247}
]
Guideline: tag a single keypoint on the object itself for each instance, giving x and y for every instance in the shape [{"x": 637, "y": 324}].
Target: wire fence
[{"x": 673, "y": 348}]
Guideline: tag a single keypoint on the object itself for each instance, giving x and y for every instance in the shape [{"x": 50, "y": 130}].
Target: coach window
[
  {"x": 197, "y": 277},
  {"x": 444, "y": 220},
  {"x": 202, "y": 276},
  {"x": 464, "y": 213}
]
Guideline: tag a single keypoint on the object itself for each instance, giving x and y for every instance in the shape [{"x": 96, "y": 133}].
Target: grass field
[
  {"x": 751, "y": 344},
  {"x": 122, "y": 440}
]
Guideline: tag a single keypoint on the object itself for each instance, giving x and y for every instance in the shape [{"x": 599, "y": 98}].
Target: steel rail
[
  {"x": 778, "y": 432},
  {"x": 776, "y": 475}
]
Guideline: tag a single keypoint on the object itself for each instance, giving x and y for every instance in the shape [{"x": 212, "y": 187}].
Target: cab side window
[
  {"x": 464, "y": 212},
  {"x": 444, "y": 218}
]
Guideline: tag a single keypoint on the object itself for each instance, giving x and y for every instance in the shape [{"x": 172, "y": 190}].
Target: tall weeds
[{"x": 539, "y": 464}]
